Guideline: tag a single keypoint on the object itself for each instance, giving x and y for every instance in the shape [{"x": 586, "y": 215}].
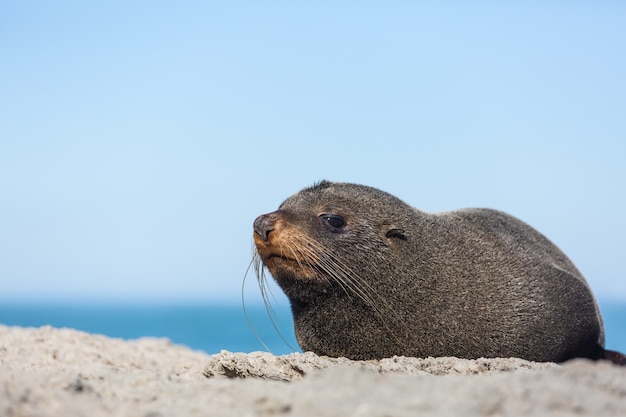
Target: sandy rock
[
  {"x": 62, "y": 372},
  {"x": 296, "y": 365}
]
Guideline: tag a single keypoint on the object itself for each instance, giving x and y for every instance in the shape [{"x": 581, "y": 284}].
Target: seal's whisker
[
  {"x": 348, "y": 279},
  {"x": 266, "y": 296},
  {"x": 295, "y": 255},
  {"x": 256, "y": 263},
  {"x": 261, "y": 279},
  {"x": 309, "y": 251},
  {"x": 310, "y": 254},
  {"x": 340, "y": 271},
  {"x": 363, "y": 290},
  {"x": 343, "y": 275}
]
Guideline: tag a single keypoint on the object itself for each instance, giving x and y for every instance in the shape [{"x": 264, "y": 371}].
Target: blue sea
[
  {"x": 205, "y": 327},
  {"x": 210, "y": 328}
]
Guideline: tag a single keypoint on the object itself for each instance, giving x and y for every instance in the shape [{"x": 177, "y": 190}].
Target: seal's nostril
[{"x": 263, "y": 225}]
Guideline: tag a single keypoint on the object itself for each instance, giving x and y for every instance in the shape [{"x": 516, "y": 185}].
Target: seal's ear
[{"x": 394, "y": 232}]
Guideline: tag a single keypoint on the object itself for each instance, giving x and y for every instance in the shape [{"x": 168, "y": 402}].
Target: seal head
[{"x": 369, "y": 276}]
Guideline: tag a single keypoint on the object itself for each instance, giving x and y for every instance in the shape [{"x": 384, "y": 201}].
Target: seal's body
[{"x": 369, "y": 277}]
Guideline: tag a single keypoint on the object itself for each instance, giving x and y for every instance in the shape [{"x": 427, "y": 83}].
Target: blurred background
[{"x": 139, "y": 140}]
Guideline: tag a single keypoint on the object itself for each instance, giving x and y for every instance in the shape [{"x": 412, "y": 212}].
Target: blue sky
[{"x": 139, "y": 141}]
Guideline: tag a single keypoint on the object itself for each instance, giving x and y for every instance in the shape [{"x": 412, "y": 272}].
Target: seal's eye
[{"x": 334, "y": 221}]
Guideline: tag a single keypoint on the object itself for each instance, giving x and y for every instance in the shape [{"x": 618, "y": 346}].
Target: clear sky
[{"x": 139, "y": 140}]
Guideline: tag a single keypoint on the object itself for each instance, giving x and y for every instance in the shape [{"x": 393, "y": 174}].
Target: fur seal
[{"x": 368, "y": 277}]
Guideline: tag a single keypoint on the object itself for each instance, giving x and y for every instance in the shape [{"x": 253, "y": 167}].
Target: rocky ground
[{"x": 63, "y": 372}]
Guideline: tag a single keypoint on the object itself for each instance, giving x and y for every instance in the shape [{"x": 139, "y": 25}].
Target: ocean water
[
  {"x": 211, "y": 328},
  {"x": 208, "y": 328}
]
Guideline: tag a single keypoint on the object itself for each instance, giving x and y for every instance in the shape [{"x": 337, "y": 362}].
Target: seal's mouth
[
  {"x": 275, "y": 257},
  {"x": 280, "y": 263},
  {"x": 286, "y": 266}
]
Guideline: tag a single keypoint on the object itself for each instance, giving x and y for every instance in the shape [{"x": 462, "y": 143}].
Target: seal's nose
[{"x": 263, "y": 225}]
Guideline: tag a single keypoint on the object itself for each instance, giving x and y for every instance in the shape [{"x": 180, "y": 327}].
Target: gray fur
[{"x": 469, "y": 283}]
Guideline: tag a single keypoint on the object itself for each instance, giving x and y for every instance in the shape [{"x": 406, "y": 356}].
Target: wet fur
[{"x": 397, "y": 281}]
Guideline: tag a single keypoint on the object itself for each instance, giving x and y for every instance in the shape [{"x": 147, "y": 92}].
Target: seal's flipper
[{"x": 615, "y": 357}]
